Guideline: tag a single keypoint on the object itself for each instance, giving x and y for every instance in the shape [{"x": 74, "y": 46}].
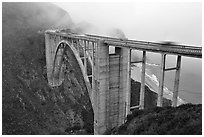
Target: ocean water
[
  {"x": 151, "y": 80},
  {"x": 190, "y": 85}
]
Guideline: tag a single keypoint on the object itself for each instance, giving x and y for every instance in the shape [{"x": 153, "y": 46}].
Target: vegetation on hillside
[
  {"x": 185, "y": 119},
  {"x": 29, "y": 104}
]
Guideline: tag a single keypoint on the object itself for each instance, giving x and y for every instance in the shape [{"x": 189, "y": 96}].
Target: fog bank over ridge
[{"x": 179, "y": 22}]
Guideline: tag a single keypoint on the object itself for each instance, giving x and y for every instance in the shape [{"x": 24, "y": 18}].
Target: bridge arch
[
  {"x": 58, "y": 65},
  {"x": 109, "y": 76}
]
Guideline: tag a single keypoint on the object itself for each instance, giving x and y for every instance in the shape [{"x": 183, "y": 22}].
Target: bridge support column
[
  {"x": 128, "y": 94},
  {"x": 49, "y": 57},
  {"x": 85, "y": 57},
  {"x": 50, "y": 49},
  {"x": 124, "y": 84},
  {"x": 142, "y": 90},
  {"x": 93, "y": 72},
  {"x": 112, "y": 87},
  {"x": 176, "y": 82},
  {"x": 102, "y": 88},
  {"x": 161, "y": 81}
]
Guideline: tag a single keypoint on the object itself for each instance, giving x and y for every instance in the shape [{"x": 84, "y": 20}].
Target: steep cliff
[
  {"x": 150, "y": 100},
  {"x": 29, "y": 105}
]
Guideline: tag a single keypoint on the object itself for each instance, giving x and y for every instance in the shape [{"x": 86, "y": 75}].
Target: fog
[{"x": 180, "y": 22}]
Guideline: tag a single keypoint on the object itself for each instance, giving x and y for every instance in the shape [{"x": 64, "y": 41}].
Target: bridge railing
[{"x": 183, "y": 50}]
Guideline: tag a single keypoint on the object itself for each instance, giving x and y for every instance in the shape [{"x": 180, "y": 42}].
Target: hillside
[
  {"x": 183, "y": 120},
  {"x": 29, "y": 105},
  {"x": 150, "y": 100}
]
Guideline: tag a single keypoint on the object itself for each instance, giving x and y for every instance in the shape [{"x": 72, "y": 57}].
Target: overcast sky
[{"x": 179, "y": 22}]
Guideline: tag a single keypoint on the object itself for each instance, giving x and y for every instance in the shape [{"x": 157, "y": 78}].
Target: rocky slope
[
  {"x": 150, "y": 100},
  {"x": 183, "y": 120},
  {"x": 29, "y": 105}
]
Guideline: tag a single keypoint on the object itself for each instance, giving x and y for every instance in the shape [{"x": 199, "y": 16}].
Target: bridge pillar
[
  {"x": 102, "y": 88},
  {"x": 161, "y": 80},
  {"x": 142, "y": 89},
  {"x": 112, "y": 88},
  {"x": 49, "y": 57},
  {"x": 51, "y": 43},
  {"x": 176, "y": 82}
]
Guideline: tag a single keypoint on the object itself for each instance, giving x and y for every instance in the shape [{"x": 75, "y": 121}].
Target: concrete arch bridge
[{"x": 108, "y": 82}]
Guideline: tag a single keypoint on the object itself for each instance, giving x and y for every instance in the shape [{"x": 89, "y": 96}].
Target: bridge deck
[{"x": 182, "y": 50}]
